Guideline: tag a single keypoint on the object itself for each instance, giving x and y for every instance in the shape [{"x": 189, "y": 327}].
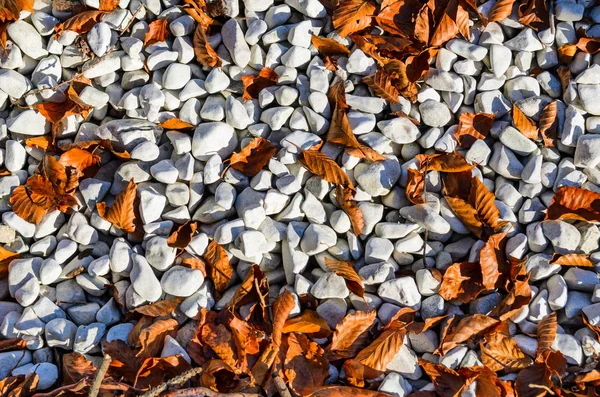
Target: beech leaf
[
  {"x": 11, "y": 9},
  {"x": 156, "y": 370},
  {"x": 571, "y": 202},
  {"x": 346, "y": 270},
  {"x": 121, "y": 213},
  {"x": 181, "y": 237},
  {"x": 175, "y": 123},
  {"x": 382, "y": 85},
  {"x": 352, "y": 16},
  {"x": 309, "y": 322},
  {"x": 325, "y": 167},
  {"x": 351, "y": 335},
  {"x": 253, "y": 157},
  {"x": 415, "y": 186},
  {"x": 79, "y": 159},
  {"x": 447, "y": 382},
  {"x": 304, "y": 364},
  {"x": 546, "y": 333},
  {"x": 253, "y": 85},
  {"x": 382, "y": 350},
  {"x": 501, "y": 10},
  {"x": 500, "y": 352},
  {"x": 466, "y": 213},
  {"x": 469, "y": 327},
  {"x": 282, "y": 307},
  {"x": 158, "y": 31},
  {"x": 329, "y": 47},
  {"x": 344, "y": 197},
  {"x": 6, "y": 257},
  {"x": 524, "y": 124},
  {"x": 473, "y": 126},
  {"x": 151, "y": 338},
  {"x": 444, "y": 162},
  {"x": 205, "y": 54},
  {"x": 534, "y": 13},
  {"x": 219, "y": 267},
  {"x": 158, "y": 309},
  {"x": 581, "y": 260},
  {"x": 80, "y": 23},
  {"x": 462, "y": 282},
  {"x": 548, "y": 122},
  {"x": 108, "y": 5}
]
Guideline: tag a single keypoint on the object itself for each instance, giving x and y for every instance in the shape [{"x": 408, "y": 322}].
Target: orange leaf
[
  {"x": 472, "y": 127},
  {"x": 6, "y": 257},
  {"x": 108, "y": 5},
  {"x": 566, "y": 53},
  {"x": 447, "y": 27},
  {"x": 469, "y": 327},
  {"x": 546, "y": 333},
  {"x": 197, "y": 10},
  {"x": 309, "y": 322},
  {"x": 382, "y": 85},
  {"x": 156, "y": 370},
  {"x": 329, "y": 47},
  {"x": 447, "y": 382},
  {"x": 466, "y": 213},
  {"x": 548, "y": 122},
  {"x": 533, "y": 381},
  {"x": 325, "y": 167},
  {"x": 462, "y": 282},
  {"x": 574, "y": 203},
  {"x": 219, "y": 267},
  {"x": 500, "y": 352},
  {"x": 282, "y": 307},
  {"x": 205, "y": 54},
  {"x": 492, "y": 260},
  {"x": 253, "y": 85},
  {"x": 415, "y": 186},
  {"x": 43, "y": 142},
  {"x": 346, "y": 391},
  {"x": 80, "y": 23},
  {"x": 352, "y": 16},
  {"x": 253, "y": 157},
  {"x": 519, "y": 291},
  {"x": 304, "y": 364},
  {"x": 383, "y": 349},
  {"x": 79, "y": 159},
  {"x": 11, "y": 9},
  {"x": 444, "y": 162},
  {"x": 220, "y": 340},
  {"x": 501, "y": 10},
  {"x": 181, "y": 237},
  {"x": 124, "y": 364},
  {"x": 346, "y": 270},
  {"x": 589, "y": 45},
  {"x": 344, "y": 198},
  {"x": 524, "y": 124},
  {"x": 121, "y": 213},
  {"x": 34, "y": 199},
  {"x": 76, "y": 366},
  {"x": 175, "y": 123},
  {"x": 152, "y": 338},
  {"x": 158, "y": 31},
  {"x": 12, "y": 344},
  {"x": 351, "y": 335},
  {"x": 572, "y": 260},
  {"x": 158, "y": 309}
]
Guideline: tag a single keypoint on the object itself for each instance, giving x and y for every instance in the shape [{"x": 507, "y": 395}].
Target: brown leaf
[
  {"x": 76, "y": 366},
  {"x": 501, "y": 353},
  {"x": 309, "y": 322},
  {"x": 383, "y": 349},
  {"x": 247, "y": 339},
  {"x": 589, "y": 45},
  {"x": 548, "y": 123},
  {"x": 329, "y": 47},
  {"x": 304, "y": 364},
  {"x": 152, "y": 338},
  {"x": 444, "y": 162},
  {"x": 574, "y": 203},
  {"x": 534, "y": 13},
  {"x": 80, "y": 23},
  {"x": 492, "y": 261},
  {"x": 194, "y": 263},
  {"x": 108, "y": 5},
  {"x": 546, "y": 333},
  {"x": 447, "y": 382},
  {"x": 158, "y": 309},
  {"x": 564, "y": 75},
  {"x": 124, "y": 364},
  {"x": 220, "y": 340},
  {"x": 472, "y": 127},
  {"x": 26, "y": 388},
  {"x": 134, "y": 335},
  {"x": 181, "y": 237},
  {"x": 351, "y": 335},
  {"x": 11, "y": 9},
  {"x": 473, "y": 326},
  {"x": 282, "y": 307},
  {"x": 198, "y": 9},
  {"x": 43, "y": 142},
  {"x": 205, "y": 54},
  {"x": 10, "y": 383},
  {"x": 346, "y": 391},
  {"x": 352, "y": 16},
  {"x": 325, "y": 167},
  {"x": 253, "y": 85},
  {"x": 415, "y": 186},
  {"x": 462, "y": 282},
  {"x": 253, "y": 157},
  {"x": 79, "y": 159},
  {"x": 566, "y": 53},
  {"x": 466, "y": 213},
  {"x": 175, "y": 123},
  {"x": 533, "y": 381},
  {"x": 344, "y": 197},
  {"x": 218, "y": 376},
  {"x": 581, "y": 260},
  {"x": 56, "y": 112},
  {"x": 405, "y": 19},
  {"x": 524, "y": 124},
  {"x": 6, "y": 257},
  {"x": 156, "y": 370},
  {"x": 501, "y": 10},
  {"x": 12, "y": 344},
  {"x": 219, "y": 267},
  {"x": 158, "y": 31},
  {"x": 447, "y": 27},
  {"x": 121, "y": 213},
  {"x": 346, "y": 270},
  {"x": 381, "y": 83},
  {"x": 519, "y": 292}
]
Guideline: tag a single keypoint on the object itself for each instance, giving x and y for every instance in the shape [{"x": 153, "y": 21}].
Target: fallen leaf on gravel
[
  {"x": 79, "y": 159},
  {"x": 304, "y": 364},
  {"x": 381, "y": 83},
  {"x": 447, "y": 382},
  {"x": 351, "y": 335},
  {"x": 175, "y": 123},
  {"x": 492, "y": 259},
  {"x": 352, "y": 16},
  {"x": 80, "y": 23},
  {"x": 448, "y": 26},
  {"x": 325, "y": 167},
  {"x": 43, "y": 142},
  {"x": 205, "y": 54},
  {"x": 524, "y": 124},
  {"x": 309, "y": 322},
  {"x": 156, "y": 370},
  {"x": 11, "y": 9},
  {"x": 444, "y": 162},
  {"x": 158, "y": 309},
  {"x": 158, "y": 31},
  {"x": 219, "y": 267},
  {"x": 466, "y": 213},
  {"x": 12, "y": 344},
  {"x": 546, "y": 333},
  {"x": 472, "y": 127},
  {"x": 346, "y": 270},
  {"x": 473, "y": 326},
  {"x": 501, "y": 10},
  {"x": 6, "y": 257},
  {"x": 548, "y": 122},
  {"x": 124, "y": 364},
  {"x": 253, "y": 157},
  {"x": 581, "y": 260},
  {"x": 282, "y": 307},
  {"x": 220, "y": 340},
  {"x": 152, "y": 337},
  {"x": 253, "y": 85},
  {"x": 346, "y": 391},
  {"x": 534, "y": 13},
  {"x": 500, "y": 352},
  {"x": 108, "y": 5},
  {"x": 76, "y": 366},
  {"x": 462, "y": 282},
  {"x": 571, "y": 202},
  {"x": 344, "y": 197},
  {"x": 329, "y": 47},
  {"x": 415, "y": 186},
  {"x": 181, "y": 237},
  {"x": 121, "y": 212},
  {"x": 26, "y": 387}
]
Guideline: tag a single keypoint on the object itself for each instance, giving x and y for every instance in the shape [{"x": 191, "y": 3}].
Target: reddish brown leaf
[
  {"x": 156, "y": 370},
  {"x": 124, "y": 364},
  {"x": 181, "y": 237},
  {"x": 546, "y": 333},
  {"x": 76, "y": 367},
  {"x": 205, "y": 54},
  {"x": 121, "y": 213},
  {"x": 309, "y": 322},
  {"x": 405, "y": 19},
  {"x": 581, "y": 260},
  {"x": 56, "y": 112},
  {"x": 346, "y": 270},
  {"x": 519, "y": 292},
  {"x": 444, "y": 162},
  {"x": 344, "y": 197},
  {"x": 469, "y": 327},
  {"x": 329, "y": 47},
  {"x": 198, "y": 9},
  {"x": 462, "y": 282},
  {"x": 472, "y": 127},
  {"x": 79, "y": 159},
  {"x": 574, "y": 203},
  {"x": 253, "y": 85},
  {"x": 548, "y": 122},
  {"x": 247, "y": 340},
  {"x": 6, "y": 257},
  {"x": 80, "y": 23},
  {"x": 466, "y": 213},
  {"x": 589, "y": 45},
  {"x": 383, "y": 349},
  {"x": 564, "y": 74},
  {"x": 345, "y": 391},
  {"x": 12, "y": 344},
  {"x": 158, "y": 31},
  {"x": 108, "y": 5},
  {"x": 152, "y": 338},
  {"x": 352, "y": 16},
  {"x": 26, "y": 387},
  {"x": 566, "y": 53},
  {"x": 492, "y": 260},
  {"x": 325, "y": 167},
  {"x": 134, "y": 335},
  {"x": 304, "y": 364},
  {"x": 534, "y": 13},
  {"x": 500, "y": 352},
  {"x": 253, "y": 157},
  {"x": 11, "y": 9},
  {"x": 524, "y": 124},
  {"x": 220, "y": 340},
  {"x": 415, "y": 186},
  {"x": 282, "y": 307},
  {"x": 194, "y": 263},
  {"x": 447, "y": 27},
  {"x": 501, "y": 10},
  {"x": 534, "y": 381},
  {"x": 219, "y": 267},
  {"x": 447, "y": 382},
  {"x": 382, "y": 85},
  {"x": 175, "y": 123},
  {"x": 351, "y": 335},
  {"x": 158, "y": 309}
]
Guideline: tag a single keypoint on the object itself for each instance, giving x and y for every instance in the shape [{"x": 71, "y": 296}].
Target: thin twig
[
  {"x": 95, "y": 388},
  {"x": 551, "y": 17},
  {"x": 176, "y": 381},
  {"x": 424, "y": 194},
  {"x": 206, "y": 392},
  {"x": 282, "y": 389}
]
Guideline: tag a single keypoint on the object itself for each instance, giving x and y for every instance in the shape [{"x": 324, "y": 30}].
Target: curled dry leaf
[
  {"x": 382, "y": 85},
  {"x": 151, "y": 338},
  {"x": 219, "y": 267},
  {"x": 466, "y": 213},
  {"x": 220, "y": 340},
  {"x": 158, "y": 31},
  {"x": 80, "y": 23},
  {"x": 175, "y": 123},
  {"x": 346, "y": 391},
  {"x": 574, "y": 203},
  {"x": 282, "y": 307},
  {"x": 492, "y": 260},
  {"x": 156, "y": 370},
  {"x": 6, "y": 257},
  {"x": 76, "y": 366},
  {"x": 566, "y": 53},
  {"x": 79, "y": 159},
  {"x": 329, "y": 47},
  {"x": 444, "y": 162},
  {"x": 325, "y": 167},
  {"x": 546, "y": 333},
  {"x": 205, "y": 54},
  {"x": 253, "y": 85},
  {"x": 344, "y": 197},
  {"x": 548, "y": 122},
  {"x": 181, "y": 237},
  {"x": 469, "y": 327},
  {"x": 10, "y": 10},
  {"x": 449, "y": 26},
  {"x": 309, "y": 322},
  {"x": 501, "y": 10},
  {"x": 124, "y": 364},
  {"x": 473, "y": 126},
  {"x": 253, "y": 157},
  {"x": 12, "y": 344},
  {"x": 345, "y": 269},
  {"x": 121, "y": 213},
  {"x": 108, "y": 5},
  {"x": 581, "y": 260},
  {"x": 524, "y": 124},
  {"x": 158, "y": 309},
  {"x": 351, "y": 335},
  {"x": 352, "y": 16},
  {"x": 43, "y": 142},
  {"x": 415, "y": 186}
]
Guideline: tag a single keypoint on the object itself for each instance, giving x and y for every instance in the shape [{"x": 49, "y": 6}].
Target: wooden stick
[
  {"x": 206, "y": 392},
  {"x": 176, "y": 381},
  {"x": 282, "y": 388},
  {"x": 95, "y": 388}
]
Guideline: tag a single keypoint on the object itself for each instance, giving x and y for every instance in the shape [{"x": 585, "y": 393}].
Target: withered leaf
[
  {"x": 198, "y": 9},
  {"x": 534, "y": 13},
  {"x": 43, "y": 142},
  {"x": 205, "y": 54},
  {"x": 108, "y": 5},
  {"x": 11, "y": 9},
  {"x": 533, "y": 381},
  {"x": 524, "y": 124},
  {"x": 469, "y": 327},
  {"x": 483, "y": 201},
  {"x": 351, "y": 335},
  {"x": 6, "y": 257},
  {"x": 447, "y": 382},
  {"x": 415, "y": 186},
  {"x": 151, "y": 338},
  {"x": 181, "y": 237},
  {"x": 121, "y": 213},
  {"x": 156, "y": 370},
  {"x": 175, "y": 123},
  {"x": 80, "y": 23},
  {"x": 219, "y": 267},
  {"x": 466, "y": 213},
  {"x": 571, "y": 202},
  {"x": 346, "y": 270},
  {"x": 329, "y": 47},
  {"x": 253, "y": 156},
  {"x": 76, "y": 367},
  {"x": 158, "y": 31},
  {"x": 346, "y": 391},
  {"x": 344, "y": 197},
  {"x": 492, "y": 260},
  {"x": 325, "y": 167},
  {"x": 124, "y": 364},
  {"x": 581, "y": 260},
  {"x": 352, "y": 16},
  {"x": 309, "y": 322},
  {"x": 447, "y": 27},
  {"x": 282, "y": 307},
  {"x": 220, "y": 340},
  {"x": 473, "y": 126},
  {"x": 382, "y": 85},
  {"x": 462, "y": 282},
  {"x": 382, "y": 350},
  {"x": 500, "y": 352},
  {"x": 501, "y": 10},
  {"x": 12, "y": 344},
  {"x": 444, "y": 162},
  {"x": 79, "y": 159},
  {"x": 253, "y": 85},
  {"x": 546, "y": 333},
  {"x": 304, "y": 364},
  {"x": 548, "y": 122},
  {"x": 566, "y": 52},
  {"x": 158, "y": 309}
]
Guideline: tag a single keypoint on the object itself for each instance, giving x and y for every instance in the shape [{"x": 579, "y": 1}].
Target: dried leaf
[
  {"x": 352, "y": 16},
  {"x": 181, "y": 237},
  {"x": 329, "y": 47},
  {"x": 564, "y": 74},
  {"x": 198, "y": 9},
  {"x": 589, "y": 45},
  {"x": 533, "y": 381},
  {"x": 247, "y": 339},
  {"x": 381, "y": 83},
  {"x": 56, "y": 112},
  {"x": 12, "y": 344},
  {"x": 492, "y": 260},
  {"x": 26, "y": 388},
  {"x": 574, "y": 203},
  {"x": 346, "y": 391},
  {"x": 581, "y": 260},
  {"x": 404, "y": 19},
  {"x": 175, "y": 123},
  {"x": 501, "y": 353},
  {"x": 344, "y": 197},
  {"x": 325, "y": 167},
  {"x": 447, "y": 382},
  {"x": 43, "y": 142},
  {"x": 466, "y": 213},
  {"x": 282, "y": 307},
  {"x": 11, "y": 9},
  {"x": 79, "y": 159},
  {"x": 501, "y": 10},
  {"x": 415, "y": 186},
  {"x": 346, "y": 270},
  {"x": 158, "y": 31},
  {"x": 351, "y": 335},
  {"x": 253, "y": 157},
  {"x": 156, "y": 370},
  {"x": 134, "y": 335},
  {"x": 548, "y": 123},
  {"x": 524, "y": 124},
  {"x": 124, "y": 364},
  {"x": 219, "y": 267},
  {"x": 158, "y": 309},
  {"x": 304, "y": 364},
  {"x": 444, "y": 162},
  {"x": 205, "y": 54},
  {"x": 220, "y": 340},
  {"x": 80, "y": 23},
  {"x": 253, "y": 85},
  {"x": 566, "y": 53},
  {"x": 546, "y": 333},
  {"x": 76, "y": 366},
  {"x": 462, "y": 282},
  {"x": 472, "y": 127},
  {"x": 447, "y": 27},
  {"x": 534, "y": 13},
  {"x": 309, "y": 322},
  {"x": 6, "y": 257},
  {"x": 152, "y": 338},
  {"x": 469, "y": 327},
  {"x": 383, "y": 349},
  {"x": 108, "y": 5},
  {"x": 121, "y": 213}
]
